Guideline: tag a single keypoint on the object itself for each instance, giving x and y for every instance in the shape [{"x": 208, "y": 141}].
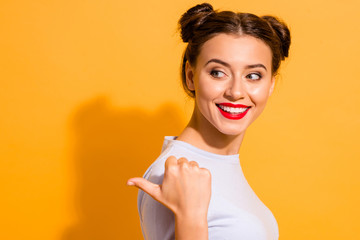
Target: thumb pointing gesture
[
  {"x": 150, "y": 188},
  {"x": 186, "y": 188}
]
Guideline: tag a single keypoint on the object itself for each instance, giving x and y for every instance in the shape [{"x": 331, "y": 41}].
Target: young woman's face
[{"x": 232, "y": 81}]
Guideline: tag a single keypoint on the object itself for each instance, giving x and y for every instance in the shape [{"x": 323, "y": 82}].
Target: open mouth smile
[{"x": 233, "y": 111}]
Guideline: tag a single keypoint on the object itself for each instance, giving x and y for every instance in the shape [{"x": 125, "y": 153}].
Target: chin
[{"x": 231, "y": 131}]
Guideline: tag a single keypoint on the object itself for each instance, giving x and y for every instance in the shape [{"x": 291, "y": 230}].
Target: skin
[
  {"x": 229, "y": 69},
  {"x": 236, "y": 83}
]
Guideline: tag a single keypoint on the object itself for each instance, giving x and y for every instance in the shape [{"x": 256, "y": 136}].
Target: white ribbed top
[{"x": 235, "y": 212}]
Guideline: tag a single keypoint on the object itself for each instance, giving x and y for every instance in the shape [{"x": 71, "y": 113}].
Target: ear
[
  {"x": 189, "y": 73},
  {"x": 272, "y": 85}
]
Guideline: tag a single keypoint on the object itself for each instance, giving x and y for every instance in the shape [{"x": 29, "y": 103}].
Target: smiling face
[{"x": 232, "y": 81}]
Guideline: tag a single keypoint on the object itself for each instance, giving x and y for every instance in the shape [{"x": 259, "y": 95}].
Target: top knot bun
[
  {"x": 192, "y": 19},
  {"x": 282, "y": 31}
]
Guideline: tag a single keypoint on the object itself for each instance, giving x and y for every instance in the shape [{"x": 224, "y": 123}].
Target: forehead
[{"x": 236, "y": 49}]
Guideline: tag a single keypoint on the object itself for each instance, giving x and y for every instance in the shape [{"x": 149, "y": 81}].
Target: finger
[
  {"x": 193, "y": 164},
  {"x": 205, "y": 172},
  {"x": 170, "y": 161},
  {"x": 182, "y": 160},
  {"x": 183, "y": 163},
  {"x": 150, "y": 188}
]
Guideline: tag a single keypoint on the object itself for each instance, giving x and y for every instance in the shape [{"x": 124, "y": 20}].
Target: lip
[
  {"x": 233, "y": 105},
  {"x": 231, "y": 115}
]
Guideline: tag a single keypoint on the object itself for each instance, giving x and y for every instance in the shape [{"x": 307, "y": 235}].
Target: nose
[{"x": 235, "y": 89}]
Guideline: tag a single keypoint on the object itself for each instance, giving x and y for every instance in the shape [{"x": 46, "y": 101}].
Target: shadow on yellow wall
[{"x": 110, "y": 146}]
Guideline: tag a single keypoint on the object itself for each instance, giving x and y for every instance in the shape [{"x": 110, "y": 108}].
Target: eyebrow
[
  {"x": 228, "y": 65},
  {"x": 256, "y": 66},
  {"x": 218, "y": 61}
]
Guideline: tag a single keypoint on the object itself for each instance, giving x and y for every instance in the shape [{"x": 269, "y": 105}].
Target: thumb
[{"x": 150, "y": 188}]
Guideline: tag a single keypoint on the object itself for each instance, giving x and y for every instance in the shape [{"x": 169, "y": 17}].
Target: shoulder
[
  {"x": 156, "y": 170},
  {"x": 154, "y": 217},
  {"x": 155, "y": 173}
]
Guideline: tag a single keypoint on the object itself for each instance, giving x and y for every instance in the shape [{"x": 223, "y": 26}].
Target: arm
[{"x": 186, "y": 191}]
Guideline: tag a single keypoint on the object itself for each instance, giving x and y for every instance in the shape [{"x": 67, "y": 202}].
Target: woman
[{"x": 229, "y": 67}]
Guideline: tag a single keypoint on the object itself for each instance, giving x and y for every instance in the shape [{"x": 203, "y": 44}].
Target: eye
[
  {"x": 217, "y": 74},
  {"x": 254, "y": 76}
]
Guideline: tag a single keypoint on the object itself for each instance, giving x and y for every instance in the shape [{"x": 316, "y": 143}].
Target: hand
[{"x": 186, "y": 189}]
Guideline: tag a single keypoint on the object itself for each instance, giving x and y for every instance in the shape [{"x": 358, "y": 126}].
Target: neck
[{"x": 202, "y": 134}]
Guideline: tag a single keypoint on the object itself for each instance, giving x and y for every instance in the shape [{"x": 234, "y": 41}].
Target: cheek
[
  {"x": 208, "y": 90},
  {"x": 259, "y": 94}
]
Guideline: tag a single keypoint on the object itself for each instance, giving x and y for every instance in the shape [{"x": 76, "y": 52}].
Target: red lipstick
[{"x": 224, "y": 110}]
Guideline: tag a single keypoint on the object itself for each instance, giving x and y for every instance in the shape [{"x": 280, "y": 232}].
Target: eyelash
[
  {"x": 257, "y": 74},
  {"x": 214, "y": 72}
]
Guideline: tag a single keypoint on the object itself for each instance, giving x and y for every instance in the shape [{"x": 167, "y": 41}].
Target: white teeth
[{"x": 232, "y": 109}]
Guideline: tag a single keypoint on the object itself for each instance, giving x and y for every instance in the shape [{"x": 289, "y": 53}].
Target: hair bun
[
  {"x": 282, "y": 31},
  {"x": 192, "y": 19}
]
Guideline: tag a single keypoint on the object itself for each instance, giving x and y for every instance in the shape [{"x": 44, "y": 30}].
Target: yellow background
[{"x": 89, "y": 88}]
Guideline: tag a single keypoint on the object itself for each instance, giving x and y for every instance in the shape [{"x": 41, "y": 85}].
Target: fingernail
[{"x": 129, "y": 183}]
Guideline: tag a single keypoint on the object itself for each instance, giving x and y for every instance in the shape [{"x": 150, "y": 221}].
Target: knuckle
[
  {"x": 184, "y": 165},
  {"x": 172, "y": 168},
  {"x": 206, "y": 172},
  {"x": 171, "y": 158},
  {"x": 182, "y": 160},
  {"x": 194, "y": 164},
  {"x": 170, "y": 161},
  {"x": 194, "y": 167}
]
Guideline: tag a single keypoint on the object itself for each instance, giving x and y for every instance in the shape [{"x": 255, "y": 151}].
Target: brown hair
[{"x": 200, "y": 23}]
